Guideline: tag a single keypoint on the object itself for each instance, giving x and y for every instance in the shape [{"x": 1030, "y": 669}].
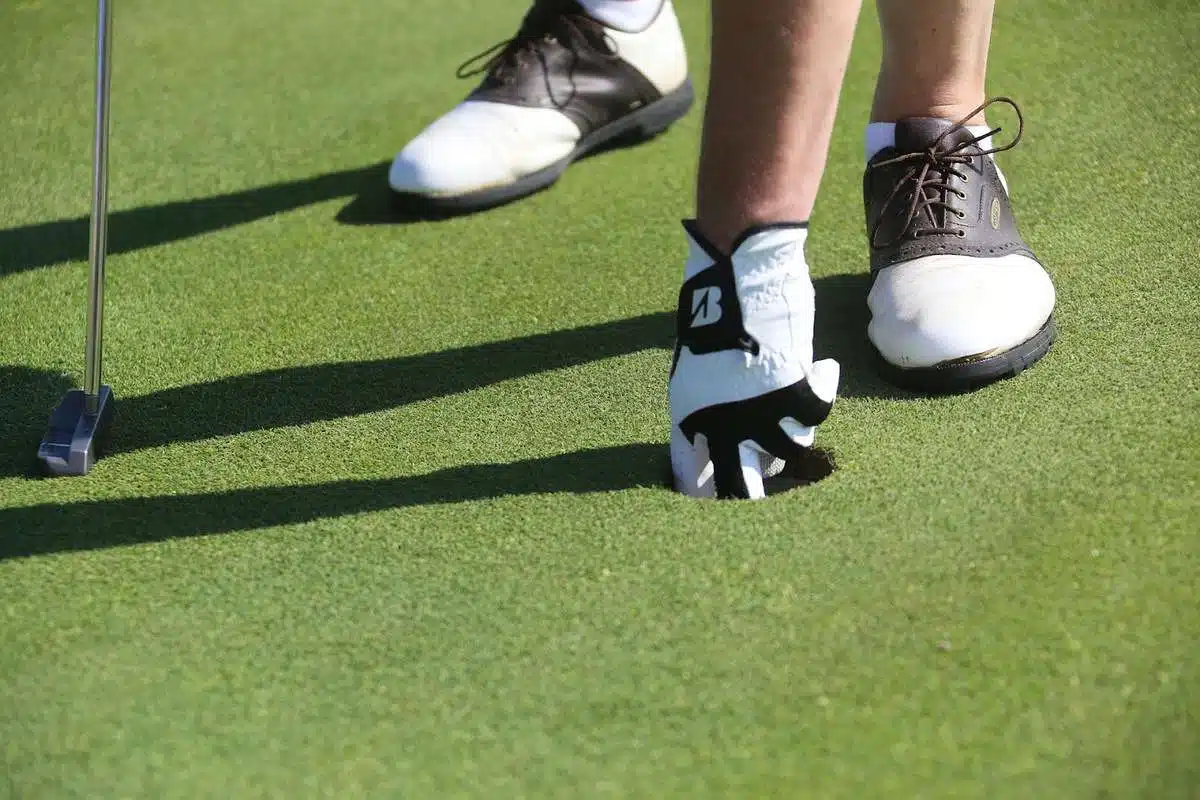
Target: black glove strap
[{"x": 756, "y": 419}]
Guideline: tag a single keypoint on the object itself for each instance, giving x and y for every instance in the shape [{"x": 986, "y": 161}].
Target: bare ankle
[{"x": 893, "y": 103}]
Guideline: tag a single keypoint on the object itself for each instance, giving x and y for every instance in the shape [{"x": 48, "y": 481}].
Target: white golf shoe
[
  {"x": 958, "y": 299},
  {"x": 564, "y": 86}
]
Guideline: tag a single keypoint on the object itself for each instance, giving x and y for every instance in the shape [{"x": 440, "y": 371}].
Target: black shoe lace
[
  {"x": 562, "y": 21},
  {"x": 929, "y": 180}
]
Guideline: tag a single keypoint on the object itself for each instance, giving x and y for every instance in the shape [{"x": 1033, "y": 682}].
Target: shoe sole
[
  {"x": 968, "y": 374},
  {"x": 637, "y": 126}
]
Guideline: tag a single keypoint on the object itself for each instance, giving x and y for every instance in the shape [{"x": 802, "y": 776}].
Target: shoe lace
[
  {"x": 928, "y": 179},
  {"x": 563, "y": 21}
]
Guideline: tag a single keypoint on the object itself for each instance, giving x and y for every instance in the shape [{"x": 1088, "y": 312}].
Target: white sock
[
  {"x": 883, "y": 134},
  {"x": 631, "y": 16}
]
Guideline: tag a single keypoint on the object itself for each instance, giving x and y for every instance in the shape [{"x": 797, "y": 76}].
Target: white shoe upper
[
  {"x": 479, "y": 145},
  {"x": 941, "y": 308}
]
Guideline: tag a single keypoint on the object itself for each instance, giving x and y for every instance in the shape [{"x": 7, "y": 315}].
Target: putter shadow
[
  {"x": 101, "y": 524},
  {"x": 47, "y": 243},
  {"x": 27, "y": 396}
]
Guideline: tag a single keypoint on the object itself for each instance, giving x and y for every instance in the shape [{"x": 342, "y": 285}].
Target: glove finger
[
  {"x": 728, "y": 474},
  {"x": 771, "y": 465},
  {"x": 753, "y": 465},
  {"x": 737, "y": 470},
  {"x": 690, "y": 465},
  {"x": 803, "y": 435},
  {"x": 823, "y": 379}
]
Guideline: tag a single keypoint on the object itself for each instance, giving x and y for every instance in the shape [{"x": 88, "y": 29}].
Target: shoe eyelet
[
  {"x": 961, "y": 233},
  {"x": 961, "y": 214}
]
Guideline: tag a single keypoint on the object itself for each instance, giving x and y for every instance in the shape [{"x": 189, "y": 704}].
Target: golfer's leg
[
  {"x": 934, "y": 58},
  {"x": 777, "y": 69},
  {"x": 957, "y": 298},
  {"x": 745, "y": 393}
]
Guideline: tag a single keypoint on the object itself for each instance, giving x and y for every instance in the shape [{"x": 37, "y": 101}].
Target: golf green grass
[{"x": 385, "y": 511}]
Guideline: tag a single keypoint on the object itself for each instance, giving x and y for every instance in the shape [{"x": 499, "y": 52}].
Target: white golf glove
[{"x": 745, "y": 395}]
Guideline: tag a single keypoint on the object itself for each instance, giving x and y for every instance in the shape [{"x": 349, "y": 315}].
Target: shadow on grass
[
  {"x": 101, "y": 524},
  {"x": 47, "y": 243},
  {"x": 27, "y": 396},
  {"x": 302, "y": 395},
  {"x": 95, "y": 525},
  {"x": 375, "y": 204}
]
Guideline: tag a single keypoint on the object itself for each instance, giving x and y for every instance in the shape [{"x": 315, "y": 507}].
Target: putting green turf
[{"x": 384, "y": 515}]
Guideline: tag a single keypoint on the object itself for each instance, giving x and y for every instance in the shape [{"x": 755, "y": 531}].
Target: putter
[{"x": 77, "y": 426}]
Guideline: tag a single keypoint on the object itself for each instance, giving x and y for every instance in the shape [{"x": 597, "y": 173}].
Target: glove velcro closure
[{"x": 709, "y": 315}]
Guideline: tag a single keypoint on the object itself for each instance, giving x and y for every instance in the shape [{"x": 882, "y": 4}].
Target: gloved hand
[{"x": 745, "y": 395}]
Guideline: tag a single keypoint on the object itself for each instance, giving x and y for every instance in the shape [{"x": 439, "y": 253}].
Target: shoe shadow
[
  {"x": 47, "y": 243},
  {"x": 93, "y": 525},
  {"x": 376, "y": 204}
]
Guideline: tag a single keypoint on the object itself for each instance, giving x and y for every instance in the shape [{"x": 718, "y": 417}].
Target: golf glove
[{"x": 745, "y": 395}]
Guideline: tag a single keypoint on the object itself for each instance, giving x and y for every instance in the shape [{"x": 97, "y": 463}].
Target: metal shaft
[{"x": 98, "y": 245}]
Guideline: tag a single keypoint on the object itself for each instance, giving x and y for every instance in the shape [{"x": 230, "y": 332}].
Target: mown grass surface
[{"x": 385, "y": 510}]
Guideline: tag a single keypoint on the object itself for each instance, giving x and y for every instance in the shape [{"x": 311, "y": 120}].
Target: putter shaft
[
  {"x": 78, "y": 424},
  {"x": 98, "y": 243}
]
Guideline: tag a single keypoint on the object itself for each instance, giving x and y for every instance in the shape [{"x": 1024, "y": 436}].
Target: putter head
[{"x": 74, "y": 438}]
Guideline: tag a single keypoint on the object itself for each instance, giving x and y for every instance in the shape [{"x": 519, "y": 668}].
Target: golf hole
[{"x": 817, "y": 465}]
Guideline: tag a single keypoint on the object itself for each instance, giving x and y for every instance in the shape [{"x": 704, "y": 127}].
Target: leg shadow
[
  {"x": 47, "y": 243},
  {"x": 376, "y": 204},
  {"x": 841, "y": 333},
  {"x": 27, "y": 396},
  {"x": 102, "y": 524},
  {"x": 301, "y": 395}
]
